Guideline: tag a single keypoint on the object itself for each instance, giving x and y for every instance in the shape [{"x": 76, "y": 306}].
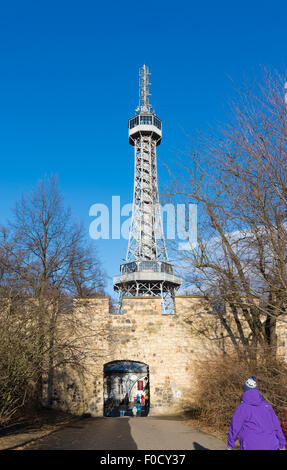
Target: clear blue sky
[{"x": 69, "y": 78}]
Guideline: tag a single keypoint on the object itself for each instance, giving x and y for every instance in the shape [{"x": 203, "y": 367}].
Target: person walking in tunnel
[
  {"x": 134, "y": 410},
  {"x": 139, "y": 408},
  {"x": 146, "y": 401},
  {"x": 145, "y": 405},
  {"x": 255, "y": 423},
  {"x": 122, "y": 409}
]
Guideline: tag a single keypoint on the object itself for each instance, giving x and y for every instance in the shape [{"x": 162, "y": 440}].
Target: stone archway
[{"x": 124, "y": 383}]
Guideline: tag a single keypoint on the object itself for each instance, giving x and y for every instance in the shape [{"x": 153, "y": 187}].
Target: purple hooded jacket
[{"x": 255, "y": 424}]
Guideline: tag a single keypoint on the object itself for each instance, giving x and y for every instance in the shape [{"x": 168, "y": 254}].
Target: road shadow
[
  {"x": 91, "y": 434},
  {"x": 199, "y": 446},
  {"x": 36, "y": 421},
  {"x": 115, "y": 412}
]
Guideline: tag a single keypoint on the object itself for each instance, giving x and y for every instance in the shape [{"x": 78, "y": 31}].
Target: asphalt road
[{"x": 128, "y": 434}]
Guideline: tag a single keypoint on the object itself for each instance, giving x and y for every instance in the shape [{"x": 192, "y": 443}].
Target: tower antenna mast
[
  {"x": 146, "y": 271},
  {"x": 144, "y": 94}
]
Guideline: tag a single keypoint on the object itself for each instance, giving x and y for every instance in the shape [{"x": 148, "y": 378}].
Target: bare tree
[
  {"x": 49, "y": 260},
  {"x": 85, "y": 277},
  {"x": 18, "y": 369},
  {"x": 238, "y": 179}
]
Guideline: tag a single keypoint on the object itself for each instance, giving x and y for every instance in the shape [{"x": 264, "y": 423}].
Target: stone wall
[
  {"x": 169, "y": 344},
  {"x": 142, "y": 334}
]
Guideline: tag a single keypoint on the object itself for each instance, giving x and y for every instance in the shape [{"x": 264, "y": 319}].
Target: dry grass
[{"x": 219, "y": 387}]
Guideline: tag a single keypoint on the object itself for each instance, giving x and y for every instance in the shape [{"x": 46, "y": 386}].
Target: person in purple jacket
[{"x": 255, "y": 423}]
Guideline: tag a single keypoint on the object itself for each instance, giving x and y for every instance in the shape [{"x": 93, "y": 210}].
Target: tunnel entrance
[{"x": 126, "y": 389}]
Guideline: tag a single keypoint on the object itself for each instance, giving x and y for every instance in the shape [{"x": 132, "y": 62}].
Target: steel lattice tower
[{"x": 146, "y": 271}]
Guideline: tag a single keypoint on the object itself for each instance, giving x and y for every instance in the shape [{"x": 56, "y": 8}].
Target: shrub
[{"x": 219, "y": 386}]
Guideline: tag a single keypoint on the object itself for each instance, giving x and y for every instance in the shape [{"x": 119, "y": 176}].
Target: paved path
[{"x": 128, "y": 434}]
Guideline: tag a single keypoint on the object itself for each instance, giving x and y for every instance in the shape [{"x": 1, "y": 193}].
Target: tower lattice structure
[{"x": 147, "y": 271}]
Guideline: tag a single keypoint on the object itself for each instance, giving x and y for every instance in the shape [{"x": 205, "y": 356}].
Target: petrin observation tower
[{"x": 146, "y": 271}]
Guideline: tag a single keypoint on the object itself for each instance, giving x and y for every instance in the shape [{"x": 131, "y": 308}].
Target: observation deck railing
[{"x": 147, "y": 266}]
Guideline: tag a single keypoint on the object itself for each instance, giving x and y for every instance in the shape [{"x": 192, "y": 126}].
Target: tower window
[
  {"x": 133, "y": 122},
  {"x": 157, "y": 122},
  {"x": 146, "y": 119}
]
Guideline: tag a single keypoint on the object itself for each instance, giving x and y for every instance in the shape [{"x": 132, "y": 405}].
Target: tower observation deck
[{"x": 147, "y": 271}]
